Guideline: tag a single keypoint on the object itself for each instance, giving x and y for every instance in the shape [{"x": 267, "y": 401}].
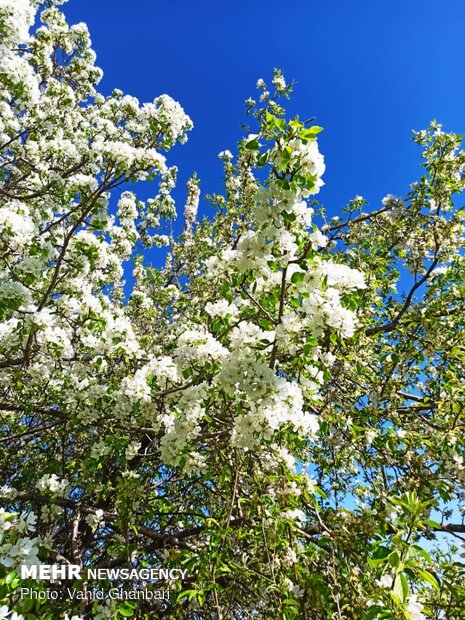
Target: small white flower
[
  {"x": 385, "y": 581},
  {"x": 415, "y": 609},
  {"x": 4, "y": 612}
]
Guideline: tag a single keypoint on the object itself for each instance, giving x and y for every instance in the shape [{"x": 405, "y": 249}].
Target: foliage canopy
[{"x": 278, "y": 410}]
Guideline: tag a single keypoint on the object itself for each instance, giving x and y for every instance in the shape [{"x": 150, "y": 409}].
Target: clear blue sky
[{"x": 370, "y": 71}]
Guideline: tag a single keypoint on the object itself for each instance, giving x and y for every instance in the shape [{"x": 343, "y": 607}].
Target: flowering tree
[{"x": 278, "y": 410}]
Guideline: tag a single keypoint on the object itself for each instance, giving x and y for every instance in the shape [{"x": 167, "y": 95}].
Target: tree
[{"x": 268, "y": 411}]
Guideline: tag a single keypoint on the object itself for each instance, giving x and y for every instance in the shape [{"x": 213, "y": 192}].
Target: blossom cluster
[{"x": 220, "y": 405}]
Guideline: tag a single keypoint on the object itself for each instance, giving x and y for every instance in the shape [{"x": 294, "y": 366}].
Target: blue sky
[{"x": 369, "y": 71}]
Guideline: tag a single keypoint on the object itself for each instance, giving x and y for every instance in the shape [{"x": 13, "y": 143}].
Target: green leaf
[
  {"x": 405, "y": 586},
  {"x": 252, "y": 145},
  {"x": 429, "y": 577},
  {"x": 394, "y": 559},
  {"x": 310, "y": 133},
  {"x": 320, "y": 492},
  {"x": 297, "y": 277},
  {"x": 288, "y": 217},
  {"x": 126, "y": 610}
]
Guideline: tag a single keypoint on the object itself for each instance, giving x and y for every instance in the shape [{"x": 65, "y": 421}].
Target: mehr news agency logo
[{"x": 72, "y": 572}]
